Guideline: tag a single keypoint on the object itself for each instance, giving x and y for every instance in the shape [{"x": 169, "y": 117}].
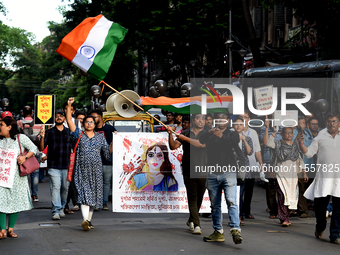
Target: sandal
[
  {"x": 249, "y": 216},
  {"x": 10, "y": 233},
  {"x": 318, "y": 235},
  {"x": 75, "y": 208},
  {"x": 272, "y": 216},
  {"x": 67, "y": 211},
  {"x": 285, "y": 224},
  {"x": 3, "y": 234}
]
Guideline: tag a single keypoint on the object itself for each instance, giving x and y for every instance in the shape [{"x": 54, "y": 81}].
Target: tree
[
  {"x": 326, "y": 18},
  {"x": 13, "y": 40}
]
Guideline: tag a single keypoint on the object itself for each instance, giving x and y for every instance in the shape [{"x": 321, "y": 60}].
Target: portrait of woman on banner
[{"x": 155, "y": 171}]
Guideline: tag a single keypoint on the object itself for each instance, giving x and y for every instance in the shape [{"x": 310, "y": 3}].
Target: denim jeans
[
  {"x": 41, "y": 174},
  {"x": 35, "y": 182},
  {"x": 59, "y": 188},
  {"x": 107, "y": 177},
  {"x": 228, "y": 184}
]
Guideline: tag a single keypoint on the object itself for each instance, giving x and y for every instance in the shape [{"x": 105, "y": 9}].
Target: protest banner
[
  {"x": 136, "y": 189},
  {"x": 44, "y": 108},
  {"x": 8, "y": 162},
  {"x": 263, "y": 97}
]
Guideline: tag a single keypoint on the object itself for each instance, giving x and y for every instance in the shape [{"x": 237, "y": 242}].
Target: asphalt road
[{"x": 119, "y": 233}]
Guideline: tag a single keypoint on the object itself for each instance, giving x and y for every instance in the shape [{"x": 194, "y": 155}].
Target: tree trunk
[{"x": 252, "y": 35}]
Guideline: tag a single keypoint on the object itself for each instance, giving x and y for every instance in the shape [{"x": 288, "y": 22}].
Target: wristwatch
[{"x": 26, "y": 157}]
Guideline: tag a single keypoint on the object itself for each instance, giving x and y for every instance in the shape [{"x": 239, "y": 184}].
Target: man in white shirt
[
  {"x": 327, "y": 180},
  {"x": 253, "y": 164}
]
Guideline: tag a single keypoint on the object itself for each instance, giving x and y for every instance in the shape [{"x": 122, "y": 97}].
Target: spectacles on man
[
  {"x": 288, "y": 133},
  {"x": 332, "y": 122},
  {"x": 314, "y": 124},
  {"x": 89, "y": 122}
]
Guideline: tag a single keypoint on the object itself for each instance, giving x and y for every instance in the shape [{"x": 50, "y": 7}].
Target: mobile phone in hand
[{"x": 299, "y": 130}]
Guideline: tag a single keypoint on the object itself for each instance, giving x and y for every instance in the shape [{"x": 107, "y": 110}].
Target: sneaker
[
  {"x": 61, "y": 213},
  {"x": 336, "y": 241},
  {"x": 90, "y": 225},
  {"x": 86, "y": 225},
  {"x": 214, "y": 237},
  {"x": 190, "y": 225},
  {"x": 35, "y": 199},
  {"x": 105, "y": 208},
  {"x": 56, "y": 216},
  {"x": 236, "y": 234},
  {"x": 197, "y": 230}
]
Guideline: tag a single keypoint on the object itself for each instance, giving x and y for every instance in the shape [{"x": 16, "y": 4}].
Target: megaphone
[
  {"x": 122, "y": 106},
  {"x": 109, "y": 102}
]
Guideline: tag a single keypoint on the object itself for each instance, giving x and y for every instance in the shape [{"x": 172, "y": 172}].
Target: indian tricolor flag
[
  {"x": 91, "y": 46},
  {"x": 188, "y": 105}
]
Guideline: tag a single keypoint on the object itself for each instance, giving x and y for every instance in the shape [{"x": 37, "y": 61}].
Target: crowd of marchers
[{"x": 270, "y": 151}]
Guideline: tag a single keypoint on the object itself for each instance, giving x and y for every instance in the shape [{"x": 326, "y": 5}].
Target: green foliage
[
  {"x": 3, "y": 9},
  {"x": 12, "y": 40}
]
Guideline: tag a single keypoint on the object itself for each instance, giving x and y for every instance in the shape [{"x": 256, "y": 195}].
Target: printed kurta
[
  {"x": 88, "y": 171},
  {"x": 18, "y": 198},
  {"x": 287, "y": 178}
]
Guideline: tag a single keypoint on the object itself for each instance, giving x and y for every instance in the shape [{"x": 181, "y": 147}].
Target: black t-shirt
[
  {"x": 219, "y": 150},
  {"x": 192, "y": 155},
  {"x": 107, "y": 131}
]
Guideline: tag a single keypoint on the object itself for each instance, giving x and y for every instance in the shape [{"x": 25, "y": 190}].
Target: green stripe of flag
[{"x": 103, "y": 59}]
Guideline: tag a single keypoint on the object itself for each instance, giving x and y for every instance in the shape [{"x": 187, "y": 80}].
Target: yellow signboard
[{"x": 44, "y": 110}]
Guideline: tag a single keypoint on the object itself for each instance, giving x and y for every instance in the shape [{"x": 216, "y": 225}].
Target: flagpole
[{"x": 136, "y": 105}]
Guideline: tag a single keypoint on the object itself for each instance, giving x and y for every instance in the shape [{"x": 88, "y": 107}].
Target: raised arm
[
  {"x": 69, "y": 121},
  {"x": 173, "y": 144}
]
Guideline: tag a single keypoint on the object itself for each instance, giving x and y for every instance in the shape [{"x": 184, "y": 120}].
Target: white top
[
  {"x": 327, "y": 179},
  {"x": 256, "y": 148}
]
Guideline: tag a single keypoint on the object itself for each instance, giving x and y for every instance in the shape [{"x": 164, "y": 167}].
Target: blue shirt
[{"x": 266, "y": 149}]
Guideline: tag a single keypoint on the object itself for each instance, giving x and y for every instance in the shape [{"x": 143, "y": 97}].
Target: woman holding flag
[{"x": 88, "y": 173}]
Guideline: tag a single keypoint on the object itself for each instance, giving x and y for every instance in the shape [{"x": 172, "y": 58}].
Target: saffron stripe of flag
[
  {"x": 186, "y": 105},
  {"x": 91, "y": 46}
]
